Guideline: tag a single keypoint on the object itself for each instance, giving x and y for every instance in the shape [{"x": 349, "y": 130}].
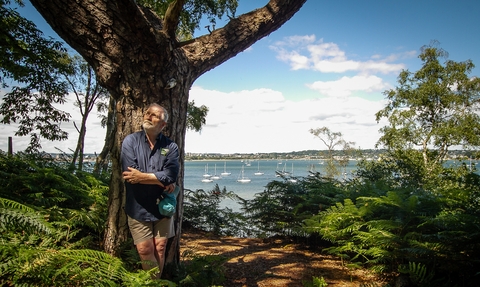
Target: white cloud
[
  {"x": 345, "y": 86},
  {"x": 304, "y": 52},
  {"x": 259, "y": 120},
  {"x": 263, "y": 120}
]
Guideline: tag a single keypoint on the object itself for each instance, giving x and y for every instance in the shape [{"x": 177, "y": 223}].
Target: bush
[{"x": 435, "y": 226}]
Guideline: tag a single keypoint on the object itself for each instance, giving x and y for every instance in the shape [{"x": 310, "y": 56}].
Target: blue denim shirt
[{"x": 141, "y": 201}]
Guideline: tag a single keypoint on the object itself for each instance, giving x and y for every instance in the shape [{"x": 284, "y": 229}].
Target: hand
[
  {"x": 132, "y": 175},
  {"x": 170, "y": 188}
]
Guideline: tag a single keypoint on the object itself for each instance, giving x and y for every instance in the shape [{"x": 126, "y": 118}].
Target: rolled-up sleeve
[{"x": 171, "y": 166}]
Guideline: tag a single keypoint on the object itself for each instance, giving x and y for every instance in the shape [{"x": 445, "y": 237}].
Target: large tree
[
  {"x": 433, "y": 109},
  {"x": 138, "y": 58}
]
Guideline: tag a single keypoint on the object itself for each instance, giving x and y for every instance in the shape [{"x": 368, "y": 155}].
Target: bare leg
[
  {"x": 146, "y": 251},
  {"x": 160, "y": 247},
  {"x": 152, "y": 253}
]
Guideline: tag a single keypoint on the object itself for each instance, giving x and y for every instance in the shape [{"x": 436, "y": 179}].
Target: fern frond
[
  {"x": 19, "y": 216},
  {"x": 11, "y": 204},
  {"x": 417, "y": 272}
]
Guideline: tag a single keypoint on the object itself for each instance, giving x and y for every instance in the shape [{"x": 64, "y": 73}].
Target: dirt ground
[{"x": 273, "y": 262}]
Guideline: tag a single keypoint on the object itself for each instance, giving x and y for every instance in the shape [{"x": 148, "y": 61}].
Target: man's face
[{"x": 153, "y": 119}]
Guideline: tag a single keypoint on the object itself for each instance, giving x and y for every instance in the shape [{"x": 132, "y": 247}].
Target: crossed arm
[{"x": 134, "y": 176}]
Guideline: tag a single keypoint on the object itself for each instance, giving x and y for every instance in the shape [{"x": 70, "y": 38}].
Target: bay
[{"x": 195, "y": 171}]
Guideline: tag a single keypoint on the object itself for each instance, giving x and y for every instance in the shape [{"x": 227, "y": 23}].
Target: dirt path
[{"x": 258, "y": 262}]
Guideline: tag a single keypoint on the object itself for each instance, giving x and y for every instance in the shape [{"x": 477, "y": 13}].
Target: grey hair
[{"x": 165, "y": 113}]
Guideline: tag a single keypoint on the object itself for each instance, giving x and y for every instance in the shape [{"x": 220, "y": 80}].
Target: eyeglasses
[{"x": 149, "y": 114}]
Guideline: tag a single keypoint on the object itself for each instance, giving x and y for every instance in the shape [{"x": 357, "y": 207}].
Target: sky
[{"x": 328, "y": 66}]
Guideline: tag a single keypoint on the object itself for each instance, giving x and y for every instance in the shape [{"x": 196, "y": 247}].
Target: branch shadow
[{"x": 272, "y": 262}]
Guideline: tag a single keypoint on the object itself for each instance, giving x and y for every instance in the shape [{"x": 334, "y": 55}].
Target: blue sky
[{"x": 327, "y": 66}]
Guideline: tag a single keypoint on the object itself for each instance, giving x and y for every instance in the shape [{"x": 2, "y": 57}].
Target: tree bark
[{"x": 134, "y": 57}]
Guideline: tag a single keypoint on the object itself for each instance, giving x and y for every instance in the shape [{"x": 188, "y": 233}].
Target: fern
[
  {"x": 418, "y": 273},
  {"x": 66, "y": 267},
  {"x": 316, "y": 282},
  {"x": 17, "y": 216}
]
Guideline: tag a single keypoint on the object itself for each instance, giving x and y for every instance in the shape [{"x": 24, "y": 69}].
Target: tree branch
[
  {"x": 172, "y": 16},
  {"x": 209, "y": 51}
]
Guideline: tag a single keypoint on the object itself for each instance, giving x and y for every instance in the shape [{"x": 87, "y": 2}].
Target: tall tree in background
[
  {"x": 88, "y": 94},
  {"x": 432, "y": 109},
  {"x": 138, "y": 57},
  {"x": 330, "y": 140},
  {"x": 35, "y": 65}
]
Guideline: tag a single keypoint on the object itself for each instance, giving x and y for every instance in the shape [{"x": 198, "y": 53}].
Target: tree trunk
[
  {"x": 135, "y": 58},
  {"x": 102, "y": 159},
  {"x": 129, "y": 118},
  {"x": 78, "y": 153}
]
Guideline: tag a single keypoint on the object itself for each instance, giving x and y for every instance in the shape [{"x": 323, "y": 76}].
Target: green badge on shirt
[{"x": 164, "y": 151}]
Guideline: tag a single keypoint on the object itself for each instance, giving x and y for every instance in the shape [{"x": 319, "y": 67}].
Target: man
[{"x": 150, "y": 166}]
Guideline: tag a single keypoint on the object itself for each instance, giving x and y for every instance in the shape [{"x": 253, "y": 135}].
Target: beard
[{"x": 147, "y": 125}]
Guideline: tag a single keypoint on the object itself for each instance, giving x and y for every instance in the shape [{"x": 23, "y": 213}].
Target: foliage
[
  {"x": 417, "y": 273},
  {"x": 202, "y": 271},
  {"x": 396, "y": 214},
  {"x": 433, "y": 109},
  {"x": 331, "y": 140},
  {"x": 281, "y": 208},
  {"x": 427, "y": 231},
  {"x": 35, "y": 65},
  {"x": 72, "y": 201},
  {"x": 410, "y": 212},
  {"x": 316, "y": 282},
  {"x": 408, "y": 224},
  {"x": 193, "y": 12},
  {"x": 196, "y": 116},
  {"x": 51, "y": 222},
  {"x": 202, "y": 210}
]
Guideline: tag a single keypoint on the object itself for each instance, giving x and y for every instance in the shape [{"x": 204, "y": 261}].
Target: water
[{"x": 195, "y": 170}]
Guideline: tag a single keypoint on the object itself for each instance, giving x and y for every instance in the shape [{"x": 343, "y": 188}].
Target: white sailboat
[
  {"x": 277, "y": 171},
  {"x": 283, "y": 172},
  {"x": 258, "y": 172},
  {"x": 242, "y": 178},
  {"x": 215, "y": 176},
  {"x": 291, "y": 174},
  {"x": 312, "y": 171},
  {"x": 206, "y": 175},
  {"x": 225, "y": 172}
]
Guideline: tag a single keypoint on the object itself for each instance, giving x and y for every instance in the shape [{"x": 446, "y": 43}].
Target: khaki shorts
[{"x": 144, "y": 230}]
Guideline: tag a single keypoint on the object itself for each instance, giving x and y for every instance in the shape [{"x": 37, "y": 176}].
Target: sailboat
[
  {"x": 312, "y": 171},
  {"x": 242, "y": 178},
  {"x": 215, "y": 176},
  {"x": 225, "y": 172},
  {"x": 291, "y": 174},
  {"x": 277, "y": 172},
  {"x": 206, "y": 174},
  {"x": 283, "y": 172},
  {"x": 258, "y": 172}
]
